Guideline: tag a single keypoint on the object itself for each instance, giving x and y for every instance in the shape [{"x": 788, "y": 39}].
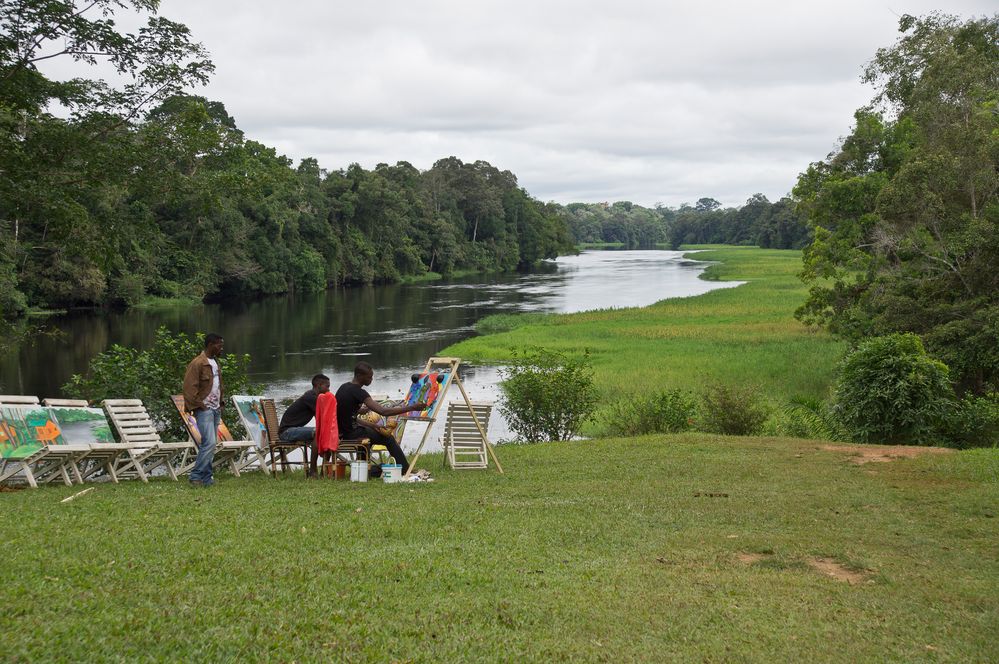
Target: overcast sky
[{"x": 653, "y": 102}]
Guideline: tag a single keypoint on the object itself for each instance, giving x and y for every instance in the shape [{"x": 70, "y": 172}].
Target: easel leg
[{"x": 423, "y": 441}]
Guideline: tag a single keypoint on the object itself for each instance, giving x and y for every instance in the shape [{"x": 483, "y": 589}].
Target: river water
[{"x": 393, "y": 327}]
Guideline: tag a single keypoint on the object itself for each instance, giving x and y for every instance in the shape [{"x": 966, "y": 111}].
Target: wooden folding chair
[
  {"x": 47, "y": 457},
  {"x": 234, "y": 454},
  {"x": 147, "y": 451},
  {"x": 102, "y": 456},
  {"x": 463, "y": 441}
]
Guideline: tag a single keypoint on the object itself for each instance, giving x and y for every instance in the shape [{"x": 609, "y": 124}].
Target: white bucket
[
  {"x": 359, "y": 471},
  {"x": 391, "y": 473}
]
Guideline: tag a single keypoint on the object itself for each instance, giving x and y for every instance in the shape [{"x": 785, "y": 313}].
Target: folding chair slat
[
  {"x": 17, "y": 400},
  {"x": 65, "y": 403}
]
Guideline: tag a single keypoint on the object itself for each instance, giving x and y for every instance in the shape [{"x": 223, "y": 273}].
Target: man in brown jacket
[{"x": 203, "y": 398}]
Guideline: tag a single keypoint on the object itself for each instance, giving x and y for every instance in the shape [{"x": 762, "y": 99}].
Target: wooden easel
[{"x": 450, "y": 365}]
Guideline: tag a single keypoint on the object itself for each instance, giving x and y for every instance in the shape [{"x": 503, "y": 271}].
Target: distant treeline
[
  {"x": 138, "y": 190},
  {"x": 758, "y": 222},
  {"x": 185, "y": 206}
]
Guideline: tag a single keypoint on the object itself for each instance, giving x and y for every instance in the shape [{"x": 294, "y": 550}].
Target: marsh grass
[
  {"x": 607, "y": 550},
  {"x": 745, "y": 335}
]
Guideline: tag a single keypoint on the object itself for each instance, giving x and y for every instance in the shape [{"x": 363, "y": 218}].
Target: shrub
[
  {"x": 155, "y": 375},
  {"x": 890, "y": 390},
  {"x": 803, "y": 418},
  {"x": 665, "y": 411},
  {"x": 730, "y": 410},
  {"x": 974, "y": 422},
  {"x": 547, "y": 394}
]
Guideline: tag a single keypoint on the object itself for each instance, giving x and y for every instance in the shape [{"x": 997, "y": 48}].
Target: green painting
[
  {"x": 25, "y": 429},
  {"x": 82, "y": 426}
]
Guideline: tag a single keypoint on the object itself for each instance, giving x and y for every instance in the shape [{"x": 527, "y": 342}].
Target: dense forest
[
  {"x": 758, "y": 222},
  {"x": 143, "y": 190},
  {"x": 906, "y": 212},
  {"x": 111, "y": 195}
]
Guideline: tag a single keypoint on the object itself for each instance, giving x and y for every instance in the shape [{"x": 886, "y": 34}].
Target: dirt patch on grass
[
  {"x": 861, "y": 454},
  {"x": 747, "y": 558},
  {"x": 835, "y": 570}
]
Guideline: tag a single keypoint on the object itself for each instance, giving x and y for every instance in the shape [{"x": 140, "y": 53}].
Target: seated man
[
  {"x": 352, "y": 398},
  {"x": 292, "y": 428}
]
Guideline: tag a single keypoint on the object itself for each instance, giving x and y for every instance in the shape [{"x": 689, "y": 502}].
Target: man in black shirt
[
  {"x": 292, "y": 428},
  {"x": 351, "y": 398}
]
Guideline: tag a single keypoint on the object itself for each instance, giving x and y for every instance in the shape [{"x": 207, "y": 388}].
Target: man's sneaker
[
  {"x": 209, "y": 482},
  {"x": 197, "y": 484}
]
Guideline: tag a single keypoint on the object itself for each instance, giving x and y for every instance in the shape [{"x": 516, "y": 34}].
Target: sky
[{"x": 652, "y": 102}]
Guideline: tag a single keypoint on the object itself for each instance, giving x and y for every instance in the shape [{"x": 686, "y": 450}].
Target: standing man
[
  {"x": 203, "y": 397},
  {"x": 352, "y": 398},
  {"x": 292, "y": 428}
]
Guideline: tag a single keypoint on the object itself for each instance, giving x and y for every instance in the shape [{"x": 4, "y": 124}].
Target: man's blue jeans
[
  {"x": 298, "y": 434},
  {"x": 208, "y": 426}
]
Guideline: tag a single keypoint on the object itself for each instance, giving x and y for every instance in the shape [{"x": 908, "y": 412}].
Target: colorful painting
[
  {"x": 82, "y": 426},
  {"x": 191, "y": 424},
  {"x": 426, "y": 387},
  {"x": 26, "y": 429},
  {"x": 252, "y": 416}
]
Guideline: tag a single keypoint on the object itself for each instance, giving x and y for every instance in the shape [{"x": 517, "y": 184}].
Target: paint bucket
[
  {"x": 359, "y": 471},
  {"x": 391, "y": 472}
]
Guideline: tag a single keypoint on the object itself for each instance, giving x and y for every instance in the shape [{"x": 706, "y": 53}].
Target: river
[{"x": 393, "y": 327}]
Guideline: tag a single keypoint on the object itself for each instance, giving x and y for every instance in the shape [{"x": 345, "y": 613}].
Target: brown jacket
[{"x": 198, "y": 382}]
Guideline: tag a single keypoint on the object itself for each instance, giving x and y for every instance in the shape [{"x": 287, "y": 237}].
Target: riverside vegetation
[{"x": 744, "y": 336}]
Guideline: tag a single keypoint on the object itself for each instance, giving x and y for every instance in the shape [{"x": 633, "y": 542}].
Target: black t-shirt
[
  {"x": 300, "y": 412},
  {"x": 349, "y": 399}
]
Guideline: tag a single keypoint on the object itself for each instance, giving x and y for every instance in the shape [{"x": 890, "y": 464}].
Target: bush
[
  {"x": 803, "y": 418},
  {"x": 734, "y": 411},
  {"x": 665, "y": 411},
  {"x": 974, "y": 422},
  {"x": 891, "y": 391},
  {"x": 155, "y": 375},
  {"x": 547, "y": 394}
]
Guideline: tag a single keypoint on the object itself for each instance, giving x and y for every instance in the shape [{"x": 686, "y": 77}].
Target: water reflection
[{"x": 395, "y": 327}]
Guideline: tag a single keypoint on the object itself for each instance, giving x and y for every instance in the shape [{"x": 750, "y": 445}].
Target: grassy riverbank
[
  {"x": 745, "y": 335},
  {"x": 682, "y": 548}
]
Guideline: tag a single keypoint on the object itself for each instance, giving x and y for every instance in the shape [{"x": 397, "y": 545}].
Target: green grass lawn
[
  {"x": 745, "y": 335},
  {"x": 606, "y": 550}
]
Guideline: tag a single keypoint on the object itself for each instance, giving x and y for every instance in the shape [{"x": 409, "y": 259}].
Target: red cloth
[{"x": 327, "y": 433}]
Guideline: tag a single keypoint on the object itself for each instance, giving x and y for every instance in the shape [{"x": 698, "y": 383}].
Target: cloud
[{"x": 582, "y": 100}]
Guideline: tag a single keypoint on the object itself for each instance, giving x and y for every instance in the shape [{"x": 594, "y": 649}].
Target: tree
[
  {"x": 906, "y": 214},
  {"x": 61, "y": 180}
]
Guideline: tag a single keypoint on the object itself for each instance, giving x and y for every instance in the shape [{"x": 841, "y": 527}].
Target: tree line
[
  {"x": 142, "y": 190},
  {"x": 905, "y": 212},
  {"x": 759, "y": 222}
]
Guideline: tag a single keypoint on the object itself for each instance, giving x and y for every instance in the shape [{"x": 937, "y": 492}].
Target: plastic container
[
  {"x": 391, "y": 473},
  {"x": 359, "y": 471}
]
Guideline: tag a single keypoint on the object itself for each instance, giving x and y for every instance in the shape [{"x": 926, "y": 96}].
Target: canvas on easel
[{"x": 431, "y": 387}]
